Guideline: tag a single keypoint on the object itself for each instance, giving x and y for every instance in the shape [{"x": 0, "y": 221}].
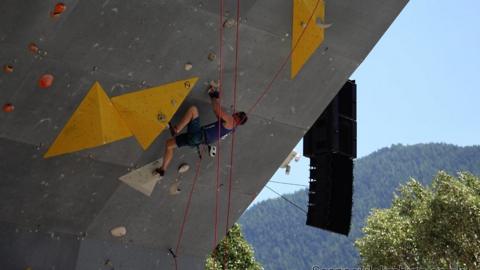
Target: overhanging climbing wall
[{"x": 57, "y": 213}]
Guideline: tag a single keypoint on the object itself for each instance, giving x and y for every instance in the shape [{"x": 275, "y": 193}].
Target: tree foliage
[
  {"x": 430, "y": 227},
  {"x": 277, "y": 230},
  {"x": 233, "y": 253}
]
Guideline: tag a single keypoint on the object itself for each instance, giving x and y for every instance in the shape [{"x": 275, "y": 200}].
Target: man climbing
[{"x": 196, "y": 134}]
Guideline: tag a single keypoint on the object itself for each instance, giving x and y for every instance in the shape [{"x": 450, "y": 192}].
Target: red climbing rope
[
  {"x": 235, "y": 80},
  {"x": 269, "y": 86},
  {"x": 220, "y": 83},
  {"x": 232, "y": 146},
  {"x": 185, "y": 214}
]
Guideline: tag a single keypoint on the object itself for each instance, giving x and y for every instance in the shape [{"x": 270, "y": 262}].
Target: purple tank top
[{"x": 211, "y": 132}]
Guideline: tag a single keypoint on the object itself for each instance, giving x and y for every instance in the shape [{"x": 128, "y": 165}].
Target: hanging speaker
[
  {"x": 330, "y": 193},
  {"x": 335, "y": 131},
  {"x": 331, "y": 144}
]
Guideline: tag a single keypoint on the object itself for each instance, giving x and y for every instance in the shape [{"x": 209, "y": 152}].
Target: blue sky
[{"x": 420, "y": 84}]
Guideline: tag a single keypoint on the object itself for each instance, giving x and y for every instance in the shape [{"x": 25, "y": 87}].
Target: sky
[{"x": 419, "y": 84}]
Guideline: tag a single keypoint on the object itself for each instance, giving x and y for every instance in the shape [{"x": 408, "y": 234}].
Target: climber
[{"x": 196, "y": 134}]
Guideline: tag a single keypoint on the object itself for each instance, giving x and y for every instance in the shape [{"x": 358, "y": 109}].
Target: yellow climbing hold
[
  {"x": 95, "y": 122},
  {"x": 313, "y": 36},
  {"x": 148, "y": 112}
]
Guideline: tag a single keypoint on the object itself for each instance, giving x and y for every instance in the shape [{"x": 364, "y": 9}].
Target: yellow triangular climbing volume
[
  {"x": 313, "y": 36},
  {"x": 95, "y": 122},
  {"x": 148, "y": 112}
]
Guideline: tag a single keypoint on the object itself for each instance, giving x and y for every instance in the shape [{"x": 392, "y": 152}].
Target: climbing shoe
[{"x": 159, "y": 171}]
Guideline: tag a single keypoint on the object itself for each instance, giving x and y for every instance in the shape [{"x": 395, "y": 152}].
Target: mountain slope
[{"x": 278, "y": 233}]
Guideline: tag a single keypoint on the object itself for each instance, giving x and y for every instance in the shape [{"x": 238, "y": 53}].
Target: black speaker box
[
  {"x": 335, "y": 131},
  {"x": 330, "y": 193}
]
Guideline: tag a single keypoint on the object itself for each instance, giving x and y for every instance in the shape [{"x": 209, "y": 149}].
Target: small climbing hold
[
  {"x": 8, "y": 68},
  {"x": 8, "y": 107},
  {"x": 39, "y": 146},
  {"x": 32, "y": 47},
  {"x": 161, "y": 117},
  {"x": 212, "y": 56},
  {"x": 28, "y": 268},
  {"x": 229, "y": 23},
  {"x": 45, "y": 81},
  {"x": 183, "y": 168},
  {"x": 108, "y": 263},
  {"x": 188, "y": 66},
  {"x": 42, "y": 52},
  {"x": 174, "y": 188},
  {"x": 59, "y": 9},
  {"x": 322, "y": 24},
  {"x": 119, "y": 231},
  {"x": 187, "y": 84}
]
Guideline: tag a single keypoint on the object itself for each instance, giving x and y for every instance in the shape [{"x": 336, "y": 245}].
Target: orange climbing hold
[
  {"x": 8, "y": 68},
  {"x": 33, "y": 47},
  {"x": 45, "y": 81},
  {"x": 59, "y": 9},
  {"x": 8, "y": 107}
]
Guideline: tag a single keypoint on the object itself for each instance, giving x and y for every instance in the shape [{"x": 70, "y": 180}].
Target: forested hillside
[{"x": 278, "y": 233}]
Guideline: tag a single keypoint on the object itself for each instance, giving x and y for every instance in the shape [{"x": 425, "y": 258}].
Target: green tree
[
  {"x": 426, "y": 227},
  {"x": 233, "y": 253}
]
